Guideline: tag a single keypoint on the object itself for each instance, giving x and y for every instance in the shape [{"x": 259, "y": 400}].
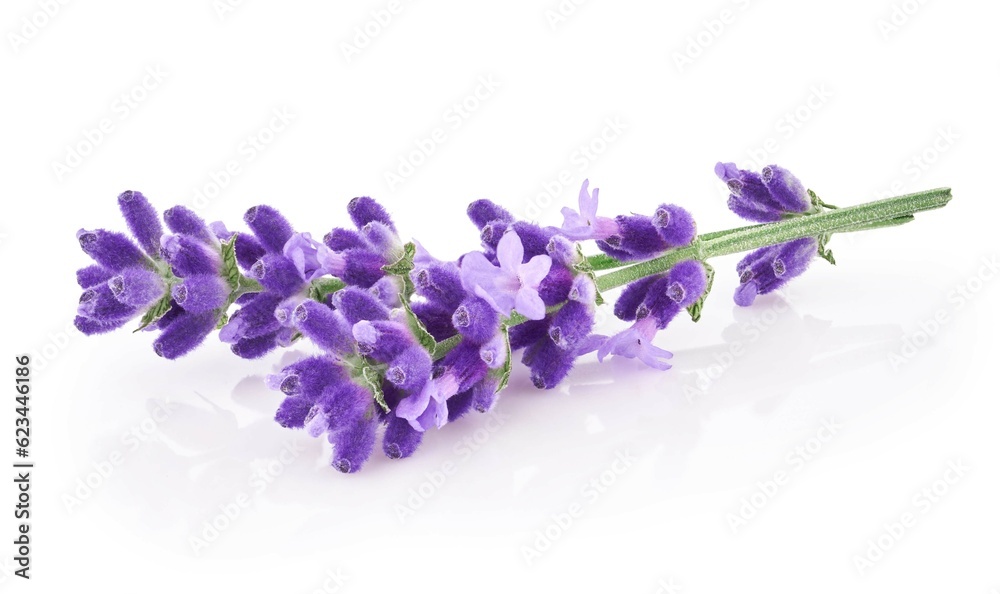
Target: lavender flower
[
  {"x": 768, "y": 269},
  {"x": 201, "y": 293},
  {"x": 765, "y": 197},
  {"x": 664, "y": 298},
  {"x": 142, "y": 220},
  {"x": 307, "y": 255},
  {"x": 428, "y": 407},
  {"x": 409, "y": 341},
  {"x": 584, "y": 223},
  {"x": 637, "y": 343},
  {"x": 137, "y": 286},
  {"x": 184, "y": 221},
  {"x": 513, "y": 284},
  {"x": 638, "y": 238}
]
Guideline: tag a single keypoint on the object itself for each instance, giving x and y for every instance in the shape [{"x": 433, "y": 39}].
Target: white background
[{"x": 857, "y": 106}]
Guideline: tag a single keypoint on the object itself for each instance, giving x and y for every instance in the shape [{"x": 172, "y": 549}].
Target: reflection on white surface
[{"x": 221, "y": 458}]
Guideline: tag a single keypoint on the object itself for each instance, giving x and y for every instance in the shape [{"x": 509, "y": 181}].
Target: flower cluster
[
  {"x": 406, "y": 340},
  {"x": 174, "y": 280},
  {"x": 771, "y": 195}
]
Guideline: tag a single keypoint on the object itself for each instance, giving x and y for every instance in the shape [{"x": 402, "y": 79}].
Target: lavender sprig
[{"x": 412, "y": 342}]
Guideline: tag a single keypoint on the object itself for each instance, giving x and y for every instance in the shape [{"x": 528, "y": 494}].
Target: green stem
[
  {"x": 872, "y": 215},
  {"x": 863, "y": 217}
]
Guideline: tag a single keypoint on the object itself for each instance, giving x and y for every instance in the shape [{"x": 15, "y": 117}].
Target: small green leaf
[
  {"x": 823, "y": 251},
  {"x": 373, "y": 378},
  {"x": 155, "y": 311},
  {"x": 504, "y": 372},
  {"x": 223, "y": 320},
  {"x": 817, "y": 202},
  {"x": 320, "y": 288},
  {"x": 404, "y": 264},
  {"x": 417, "y": 327},
  {"x": 230, "y": 269},
  {"x": 695, "y": 308}
]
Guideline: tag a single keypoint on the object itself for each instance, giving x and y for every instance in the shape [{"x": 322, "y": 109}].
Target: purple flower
[
  {"x": 183, "y": 334},
  {"x": 675, "y": 225},
  {"x": 382, "y": 340},
  {"x": 188, "y": 256},
  {"x": 428, "y": 407},
  {"x": 483, "y": 212},
  {"x": 475, "y": 320},
  {"x": 364, "y": 210},
  {"x": 94, "y": 274},
  {"x": 255, "y": 318},
  {"x": 277, "y": 274},
  {"x": 637, "y": 343},
  {"x": 401, "y": 439},
  {"x": 765, "y": 197},
  {"x": 769, "y": 268},
  {"x": 494, "y": 352},
  {"x": 201, "y": 292},
  {"x": 142, "y": 220},
  {"x": 631, "y": 298},
  {"x": 307, "y": 254},
  {"x": 326, "y": 328},
  {"x": 272, "y": 229},
  {"x": 637, "y": 239},
  {"x": 183, "y": 220},
  {"x": 111, "y": 250},
  {"x": 410, "y": 369},
  {"x": 585, "y": 224},
  {"x": 353, "y": 445},
  {"x": 512, "y": 285},
  {"x": 137, "y": 286}
]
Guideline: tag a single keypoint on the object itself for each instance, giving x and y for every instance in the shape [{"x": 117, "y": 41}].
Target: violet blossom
[{"x": 511, "y": 285}]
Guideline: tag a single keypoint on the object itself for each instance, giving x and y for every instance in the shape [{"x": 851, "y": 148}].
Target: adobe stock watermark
[
  {"x": 333, "y": 582},
  {"x": 570, "y": 176},
  {"x": 921, "y": 504},
  {"x": 32, "y": 25},
  {"x": 121, "y": 108},
  {"x": 368, "y": 31},
  {"x": 561, "y": 12},
  {"x": 463, "y": 449},
  {"x": 928, "y": 328},
  {"x": 726, "y": 358},
  {"x": 561, "y": 522},
  {"x": 667, "y": 586},
  {"x": 786, "y": 127},
  {"x": 231, "y": 510},
  {"x": 453, "y": 118},
  {"x": 55, "y": 344},
  {"x": 899, "y": 16},
  {"x": 130, "y": 441},
  {"x": 224, "y": 8},
  {"x": 712, "y": 28},
  {"x": 769, "y": 488},
  {"x": 917, "y": 165},
  {"x": 246, "y": 152}
]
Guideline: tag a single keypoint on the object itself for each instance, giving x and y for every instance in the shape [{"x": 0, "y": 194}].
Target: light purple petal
[
  {"x": 588, "y": 202},
  {"x": 414, "y": 405},
  {"x": 502, "y": 304},
  {"x": 422, "y": 258},
  {"x": 476, "y": 271},
  {"x": 655, "y": 357},
  {"x": 532, "y": 272},
  {"x": 510, "y": 252},
  {"x": 529, "y": 304},
  {"x": 637, "y": 343},
  {"x": 605, "y": 228}
]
